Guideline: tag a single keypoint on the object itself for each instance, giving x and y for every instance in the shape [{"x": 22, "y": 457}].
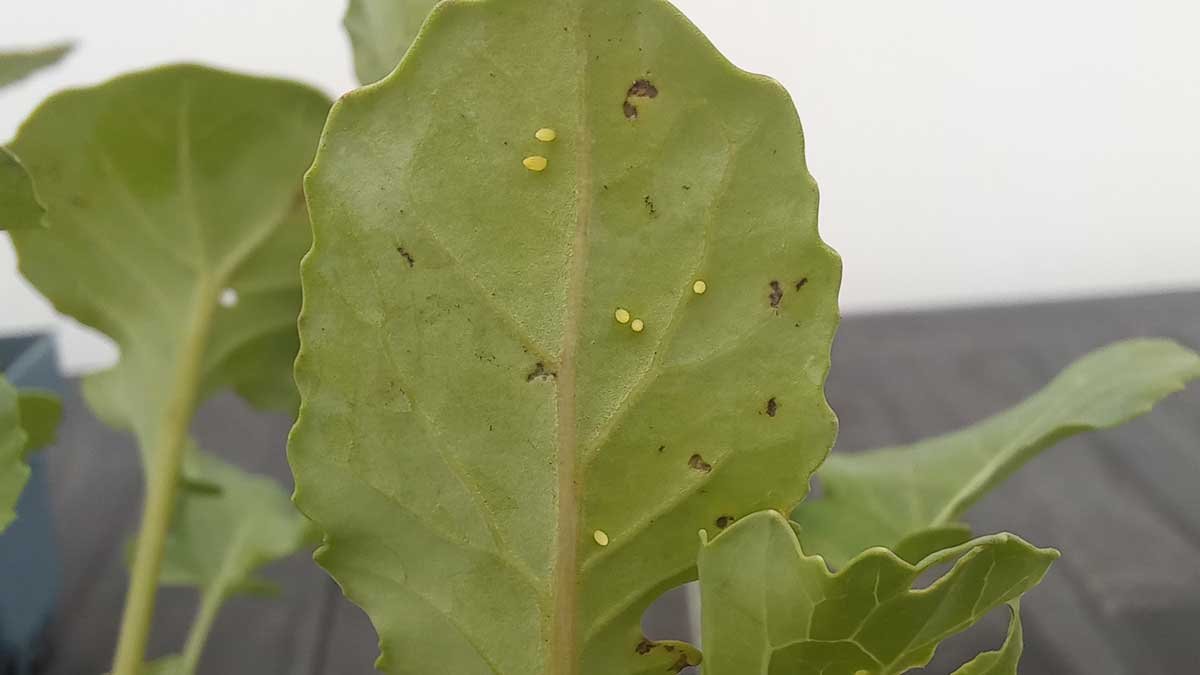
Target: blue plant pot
[{"x": 29, "y": 572}]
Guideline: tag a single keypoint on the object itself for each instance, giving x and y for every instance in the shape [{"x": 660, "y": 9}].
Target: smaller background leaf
[
  {"x": 380, "y": 32},
  {"x": 41, "y": 411},
  {"x": 17, "y": 65},
  {"x": 14, "y": 472},
  {"x": 220, "y": 538},
  {"x": 891, "y": 497}
]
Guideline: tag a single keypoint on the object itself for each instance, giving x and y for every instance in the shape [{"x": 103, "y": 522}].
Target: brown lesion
[
  {"x": 772, "y": 407},
  {"x": 776, "y": 295},
  {"x": 540, "y": 372},
  {"x": 697, "y": 462},
  {"x": 408, "y": 258},
  {"x": 725, "y": 521},
  {"x": 640, "y": 89}
]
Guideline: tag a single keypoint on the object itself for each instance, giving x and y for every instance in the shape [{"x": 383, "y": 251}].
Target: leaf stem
[
  {"x": 162, "y": 483},
  {"x": 210, "y": 604}
]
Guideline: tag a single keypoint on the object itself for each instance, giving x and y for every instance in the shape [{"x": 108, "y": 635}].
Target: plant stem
[
  {"x": 210, "y": 604},
  {"x": 162, "y": 483}
]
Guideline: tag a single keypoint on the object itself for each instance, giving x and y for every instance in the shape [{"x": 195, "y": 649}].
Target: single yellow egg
[
  {"x": 601, "y": 537},
  {"x": 546, "y": 135},
  {"x": 638, "y": 325},
  {"x": 699, "y": 287},
  {"x": 622, "y": 315},
  {"x": 535, "y": 163}
]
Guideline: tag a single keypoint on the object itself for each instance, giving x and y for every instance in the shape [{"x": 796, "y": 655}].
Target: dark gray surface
[{"x": 1123, "y": 506}]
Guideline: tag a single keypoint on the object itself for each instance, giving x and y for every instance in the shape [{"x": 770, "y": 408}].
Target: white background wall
[{"x": 967, "y": 151}]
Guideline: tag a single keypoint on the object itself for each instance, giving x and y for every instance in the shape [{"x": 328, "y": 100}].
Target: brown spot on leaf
[
  {"x": 649, "y": 204},
  {"x": 697, "y": 462},
  {"x": 800, "y": 284},
  {"x": 644, "y": 647},
  {"x": 639, "y": 89},
  {"x": 406, "y": 255},
  {"x": 539, "y": 372},
  {"x": 776, "y": 295},
  {"x": 725, "y": 521},
  {"x": 661, "y": 448},
  {"x": 772, "y": 407},
  {"x": 643, "y": 88}
]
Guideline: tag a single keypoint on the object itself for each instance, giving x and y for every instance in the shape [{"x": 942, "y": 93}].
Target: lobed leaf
[
  {"x": 506, "y": 475},
  {"x": 767, "y": 607},
  {"x": 168, "y": 191},
  {"x": 381, "y": 31},
  {"x": 1003, "y": 661},
  {"x": 220, "y": 538},
  {"x": 14, "y": 471},
  {"x": 28, "y": 421},
  {"x": 41, "y": 412},
  {"x": 914, "y": 492},
  {"x": 17, "y": 65}
]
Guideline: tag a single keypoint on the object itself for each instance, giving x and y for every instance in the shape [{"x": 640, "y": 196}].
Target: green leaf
[
  {"x": 14, "y": 472},
  {"x": 218, "y": 540},
  {"x": 41, "y": 411},
  {"x": 19, "y": 204},
  {"x": 882, "y": 497},
  {"x": 474, "y": 417},
  {"x": 380, "y": 32},
  {"x": 166, "y": 189},
  {"x": 770, "y": 608},
  {"x": 16, "y": 66},
  {"x": 1005, "y": 660}
]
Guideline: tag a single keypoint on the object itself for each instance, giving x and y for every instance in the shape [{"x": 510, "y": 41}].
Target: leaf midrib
[{"x": 564, "y": 649}]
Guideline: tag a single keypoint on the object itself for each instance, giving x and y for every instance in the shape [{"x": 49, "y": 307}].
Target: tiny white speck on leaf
[
  {"x": 638, "y": 325},
  {"x": 622, "y": 315},
  {"x": 535, "y": 163},
  {"x": 601, "y": 537},
  {"x": 699, "y": 287},
  {"x": 546, "y": 135},
  {"x": 229, "y": 298}
]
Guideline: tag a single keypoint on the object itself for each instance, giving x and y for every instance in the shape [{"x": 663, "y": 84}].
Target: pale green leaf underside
[
  {"x": 219, "y": 538},
  {"x": 380, "y": 32},
  {"x": 1005, "y": 660},
  {"x": 14, "y": 472},
  {"x": 17, "y": 65},
  {"x": 472, "y": 412},
  {"x": 881, "y": 497},
  {"x": 19, "y": 205},
  {"x": 769, "y": 609},
  {"x": 165, "y": 188}
]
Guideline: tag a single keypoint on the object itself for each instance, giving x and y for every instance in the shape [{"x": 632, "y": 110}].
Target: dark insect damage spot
[
  {"x": 776, "y": 295},
  {"x": 772, "y": 407},
  {"x": 639, "y": 89},
  {"x": 800, "y": 284},
  {"x": 697, "y": 462},
  {"x": 539, "y": 372},
  {"x": 644, "y": 647},
  {"x": 661, "y": 448},
  {"x": 724, "y": 521},
  {"x": 649, "y": 204},
  {"x": 406, "y": 255},
  {"x": 643, "y": 88}
]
